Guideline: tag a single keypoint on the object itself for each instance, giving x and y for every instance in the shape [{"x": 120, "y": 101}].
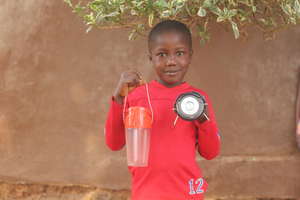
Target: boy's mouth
[{"x": 172, "y": 72}]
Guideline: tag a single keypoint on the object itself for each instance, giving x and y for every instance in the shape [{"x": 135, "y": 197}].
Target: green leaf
[
  {"x": 132, "y": 35},
  {"x": 166, "y": 14},
  {"x": 69, "y": 3},
  {"x": 287, "y": 9},
  {"x": 161, "y": 4},
  {"x": 297, "y": 8},
  {"x": 245, "y": 2},
  {"x": 293, "y": 20},
  {"x": 113, "y": 14},
  {"x": 201, "y": 12},
  {"x": 203, "y": 34},
  {"x": 232, "y": 13},
  {"x": 235, "y": 30},
  {"x": 99, "y": 18},
  {"x": 207, "y": 4},
  {"x": 232, "y": 2},
  {"x": 216, "y": 10},
  {"x": 89, "y": 29},
  {"x": 150, "y": 19},
  {"x": 78, "y": 8},
  {"x": 220, "y": 19},
  {"x": 263, "y": 21},
  {"x": 179, "y": 3},
  {"x": 140, "y": 4},
  {"x": 122, "y": 8}
]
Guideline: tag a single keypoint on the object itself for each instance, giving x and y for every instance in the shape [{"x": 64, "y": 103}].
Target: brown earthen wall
[{"x": 56, "y": 82}]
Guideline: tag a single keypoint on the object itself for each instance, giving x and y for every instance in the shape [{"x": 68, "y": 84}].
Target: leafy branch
[{"x": 268, "y": 16}]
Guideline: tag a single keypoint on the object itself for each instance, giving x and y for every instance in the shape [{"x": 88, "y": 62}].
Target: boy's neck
[{"x": 169, "y": 85}]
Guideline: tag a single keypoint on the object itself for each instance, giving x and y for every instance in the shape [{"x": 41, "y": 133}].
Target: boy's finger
[
  {"x": 136, "y": 72},
  {"x": 139, "y": 75},
  {"x": 134, "y": 82}
]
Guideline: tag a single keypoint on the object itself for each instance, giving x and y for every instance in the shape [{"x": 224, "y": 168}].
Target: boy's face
[{"x": 170, "y": 55}]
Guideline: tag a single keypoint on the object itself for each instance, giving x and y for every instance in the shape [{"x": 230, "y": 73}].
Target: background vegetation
[{"x": 268, "y": 16}]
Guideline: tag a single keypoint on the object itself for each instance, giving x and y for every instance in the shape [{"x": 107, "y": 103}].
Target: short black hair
[{"x": 170, "y": 26}]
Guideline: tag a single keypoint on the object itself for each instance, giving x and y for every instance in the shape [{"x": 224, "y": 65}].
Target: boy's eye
[
  {"x": 179, "y": 53},
  {"x": 161, "y": 54}
]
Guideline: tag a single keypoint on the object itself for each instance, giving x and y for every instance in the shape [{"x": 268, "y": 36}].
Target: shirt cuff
[
  {"x": 115, "y": 104},
  {"x": 206, "y": 124}
]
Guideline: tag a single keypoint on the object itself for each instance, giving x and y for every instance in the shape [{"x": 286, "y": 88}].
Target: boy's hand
[
  {"x": 204, "y": 117},
  {"x": 128, "y": 79}
]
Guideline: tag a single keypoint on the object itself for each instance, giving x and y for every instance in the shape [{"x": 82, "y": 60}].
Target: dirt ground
[
  {"x": 14, "y": 190},
  {"x": 36, "y": 191}
]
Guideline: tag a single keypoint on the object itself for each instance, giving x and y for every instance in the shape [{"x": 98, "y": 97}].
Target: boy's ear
[
  {"x": 191, "y": 55},
  {"x": 191, "y": 52}
]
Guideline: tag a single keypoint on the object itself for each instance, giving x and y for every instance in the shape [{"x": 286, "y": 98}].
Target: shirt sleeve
[
  {"x": 114, "y": 127},
  {"x": 208, "y": 135}
]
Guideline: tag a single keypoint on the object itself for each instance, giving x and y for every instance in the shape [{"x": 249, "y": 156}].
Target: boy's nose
[{"x": 171, "y": 61}]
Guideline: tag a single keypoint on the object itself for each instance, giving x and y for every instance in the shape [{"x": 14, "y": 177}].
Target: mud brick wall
[{"x": 56, "y": 82}]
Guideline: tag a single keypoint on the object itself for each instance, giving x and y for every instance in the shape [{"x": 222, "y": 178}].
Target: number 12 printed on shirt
[{"x": 198, "y": 183}]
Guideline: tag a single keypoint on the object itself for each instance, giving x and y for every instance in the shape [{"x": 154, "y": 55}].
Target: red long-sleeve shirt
[{"x": 172, "y": 172}]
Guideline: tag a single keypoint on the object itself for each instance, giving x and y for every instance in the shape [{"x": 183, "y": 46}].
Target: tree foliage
[{"x": 268, "y": 16}]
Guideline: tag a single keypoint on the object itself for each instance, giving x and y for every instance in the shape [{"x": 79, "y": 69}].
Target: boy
[{"x": 172, "y": 172}]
